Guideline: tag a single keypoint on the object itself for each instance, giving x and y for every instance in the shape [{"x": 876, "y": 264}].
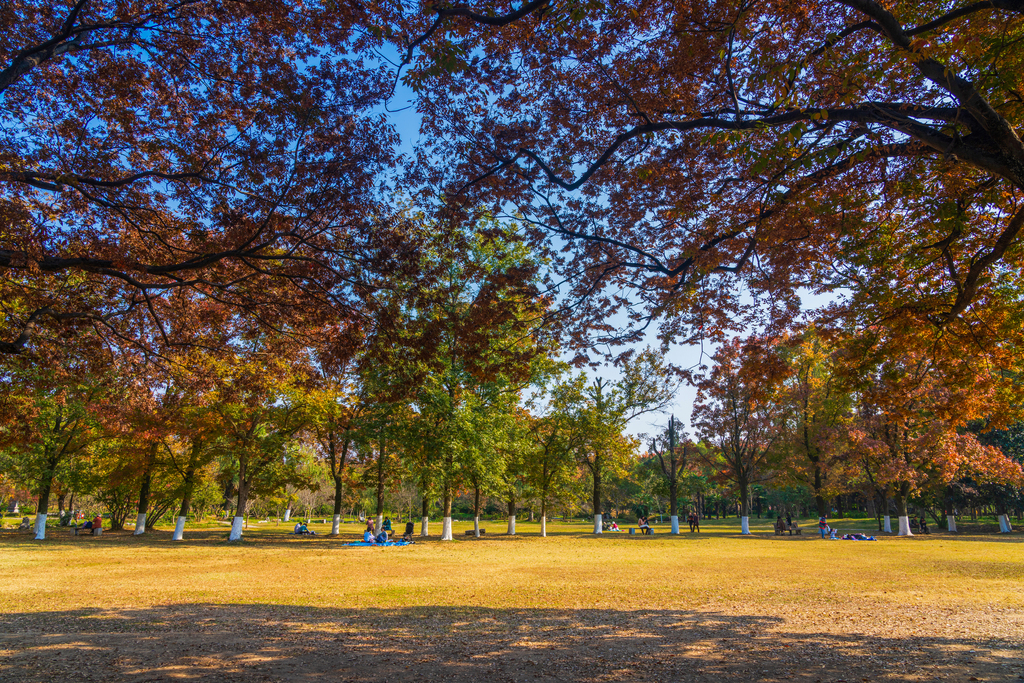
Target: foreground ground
[{"x": 570, "y": 607}]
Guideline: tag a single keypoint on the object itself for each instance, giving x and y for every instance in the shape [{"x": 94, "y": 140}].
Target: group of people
[
  {"x": 93, "y": 526},
  {"x": 694, "y": 520},
  {"x": 372, "y": 536},
  {"x": 302, "y": 530}
]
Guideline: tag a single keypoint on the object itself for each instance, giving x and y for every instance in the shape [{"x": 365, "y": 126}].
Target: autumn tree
[
  {"x": 816, "y": 403},
  {"x": 674, "y": 451},
  {"x": 52, "y": 415},
  {"x": 737, "y": 412},
  {"x": 229, "y": 151},
  {"x": 259, "y": 405}
]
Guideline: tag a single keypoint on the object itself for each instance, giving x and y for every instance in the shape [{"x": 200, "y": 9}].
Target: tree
[
  {"x": 672, "y": 462},
  {"x": 604, "y": 408},
  {"x": 550, "y": 464},
  {"x": 909, "y": 429},
  {"x": 737, "y": 410},
  {"x": 260, "y": 409},
  {"x": 742, "y": 155},
  {"x": 229, "y": 152},
  {"x": 816, "y": 404},
  {"x": 52, "y": 417}
]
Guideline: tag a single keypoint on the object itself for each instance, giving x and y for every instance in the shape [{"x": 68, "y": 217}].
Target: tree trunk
[
  {"x": 45, "y": 486},
  {"x": 446, "y": 525},
  {"x": 425, "y": 520},
  {"x": 243, "y": 499},
  {"x": 147, "y": 481},
  {"x": 512, "y": 516},
  {"x": 744, "y": 506},
  {"x": 597, "y": 495},
  {"x": 901, "y": 510},
  {"x": 380, "y": 486},
  {"x": 336, "y": 519},
  {"x": 543, "y": 517},
  {"x": 186, "y": 502},
  {"x": 476, "y": 511}
]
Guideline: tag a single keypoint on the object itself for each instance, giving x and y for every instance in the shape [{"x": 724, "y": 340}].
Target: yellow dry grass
[{"x": 530, "y": 595}]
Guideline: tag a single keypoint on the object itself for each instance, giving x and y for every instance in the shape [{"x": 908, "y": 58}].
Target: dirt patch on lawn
[{"x": 210, "y": 642}]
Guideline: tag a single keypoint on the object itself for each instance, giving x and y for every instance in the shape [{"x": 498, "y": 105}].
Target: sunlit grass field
[
  {"x": 958, "y": 599},
  {"x": 570, "y": 568}
]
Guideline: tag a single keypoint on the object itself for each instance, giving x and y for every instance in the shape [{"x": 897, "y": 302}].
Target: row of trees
[{"x": 208, "y": 200}]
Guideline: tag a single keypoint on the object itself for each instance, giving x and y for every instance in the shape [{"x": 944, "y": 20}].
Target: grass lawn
[{"x": 705, "y": 606}]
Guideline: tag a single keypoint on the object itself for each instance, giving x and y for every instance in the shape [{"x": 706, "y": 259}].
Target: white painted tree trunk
[
  {"x": 236, "y": 529},
  {"x": 446, "y": 529},
  {"x": 335, "y": 525},
  {"x": 745, "y": 526},
  {"x": 40, "y": 527},
  {"x": 597, "y": 524},
  {"x": 544, "y": 526},
  {"x": 476, "y": 527},
  {"x": 905, "y": 526},
  {"x": 1004, "y": 524},
  {"x": 140, "y": 524},
  {"x": 951, "y": 523},
  {"x": 887, "y": 524},
  {"x": 179, "y": 530},
  {"x": 287, "y": 514},
  {"x": 675, "y": 524},
  {"x": 380, "y": 523},
  {"x": 511, "y": 525},
  {"x": 425, "y": 526}
]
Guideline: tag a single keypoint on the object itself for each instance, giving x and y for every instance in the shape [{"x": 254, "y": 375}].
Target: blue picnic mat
[{"x": 364, "y": 544}]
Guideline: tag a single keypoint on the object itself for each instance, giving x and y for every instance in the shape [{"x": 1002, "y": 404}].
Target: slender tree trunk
[
  {"x": 43, "y": 506},
  {"x": 476, "y": 511},
  {"x": 446, "y": 525},
  {"x": 512, "y": 516},
  {"x": 186, "y": 502},
  {"x": 543, "y": 516},
  {"x": 425, "y": 519},
  {"x": 744, "y": 506},
  {"x": 597, "y": 495},
  {"x": 144, "y": 491},
  {"x": 243, "y": 499},
  {"x": 336, "y": 519}
]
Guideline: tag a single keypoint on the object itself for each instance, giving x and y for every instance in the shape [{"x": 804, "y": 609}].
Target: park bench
[
  {"x": 794, "y": 529},
  {"x": 780, "y": 529},
  {"x": 80, "y": 531},
  {"x": 633, "y": 530},
  {"x": 471, "y": 532}
]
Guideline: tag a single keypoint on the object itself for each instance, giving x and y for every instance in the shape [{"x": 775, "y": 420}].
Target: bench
[
  {"x": 794, "y": 529},
  {"x": 780, "y": 529},
  {"x": 633, "y": 530},
  {"x": 472, "y": 532},
  {"x": 79, "y": 531}
]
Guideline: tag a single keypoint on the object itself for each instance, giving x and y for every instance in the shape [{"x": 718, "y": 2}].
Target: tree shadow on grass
[{"x": 212, "y": 642}]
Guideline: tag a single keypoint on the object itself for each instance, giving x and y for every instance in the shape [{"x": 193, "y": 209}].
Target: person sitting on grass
[
  {"x": 298, "y": 528},
  {"x": 614, "y": 526},
  {"x": 25, "y": 524},
  {"x": 923, "y": 525},
  {"x": 368, "y": 533}
]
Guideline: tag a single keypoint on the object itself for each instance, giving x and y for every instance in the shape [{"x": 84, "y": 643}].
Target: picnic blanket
[{"x": 364, "y": 544}]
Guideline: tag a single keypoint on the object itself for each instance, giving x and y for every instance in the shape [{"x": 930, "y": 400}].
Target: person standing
[{"x": 823, "y": 526}]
